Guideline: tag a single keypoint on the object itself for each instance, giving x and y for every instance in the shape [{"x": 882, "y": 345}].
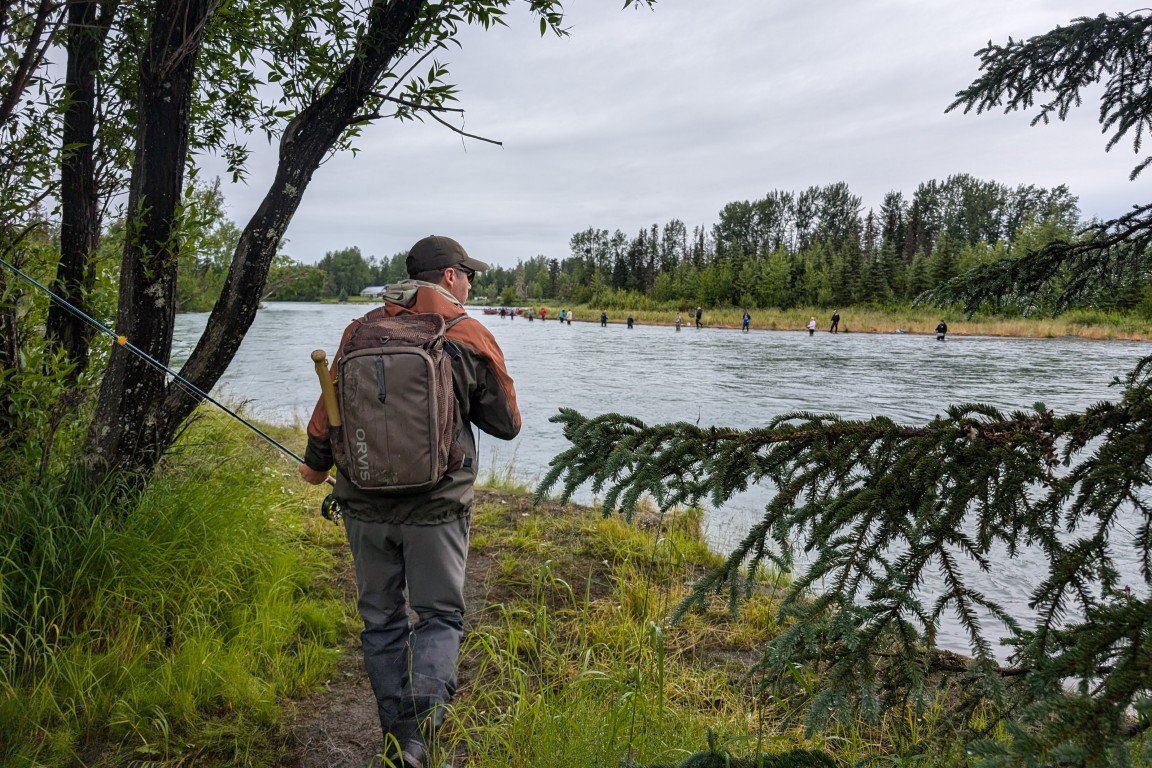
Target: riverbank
[
  {"x": 569, "y": 658},
  {"x": 213, "y": 622},
  {"x": 1084, "y": 324}
]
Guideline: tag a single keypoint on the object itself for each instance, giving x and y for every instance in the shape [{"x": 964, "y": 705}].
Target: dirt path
[{"x": 338, "y": 727}]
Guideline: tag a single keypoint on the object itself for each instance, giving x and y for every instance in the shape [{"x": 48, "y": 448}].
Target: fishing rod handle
[{"x": 328, "y": 392}]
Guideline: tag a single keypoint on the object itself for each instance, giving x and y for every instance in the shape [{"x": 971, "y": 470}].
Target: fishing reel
[{"x": 330, "y": 509}]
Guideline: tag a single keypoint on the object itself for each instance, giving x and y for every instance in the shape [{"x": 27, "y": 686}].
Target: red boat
[{"x": 507, "y": 310}]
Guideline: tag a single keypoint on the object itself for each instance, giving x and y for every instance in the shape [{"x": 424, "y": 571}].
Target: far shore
[
  {"x": 1119, "y": 328},
  {"x": 1083, "y": 324}
]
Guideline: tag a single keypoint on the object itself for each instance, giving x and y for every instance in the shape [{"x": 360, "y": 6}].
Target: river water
[{"x": 718, "y": 377}]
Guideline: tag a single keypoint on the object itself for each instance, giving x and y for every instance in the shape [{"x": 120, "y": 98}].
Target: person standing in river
[
  {"x": 410, "y": 551},
  {"x": 941, "y": 331},
  {"x": 811, "y": 326},
  {"x": 835, "y": 322},
  {"x": 746, "y": 322},
  {"x": 699, "y": 316}
]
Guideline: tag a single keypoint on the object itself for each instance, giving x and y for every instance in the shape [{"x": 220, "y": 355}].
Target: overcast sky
[{"x": 640, "y": 117}]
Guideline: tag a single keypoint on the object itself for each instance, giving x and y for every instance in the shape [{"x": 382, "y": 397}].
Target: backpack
[{"x": 394, "y": 386}]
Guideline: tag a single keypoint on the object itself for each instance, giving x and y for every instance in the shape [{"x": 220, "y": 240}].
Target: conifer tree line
[{"x": 817, "y": 247}]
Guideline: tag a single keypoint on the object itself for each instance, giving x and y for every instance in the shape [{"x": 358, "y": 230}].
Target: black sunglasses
[{"x": 468, "y": 273}]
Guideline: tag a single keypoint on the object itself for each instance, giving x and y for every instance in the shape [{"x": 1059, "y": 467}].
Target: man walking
[{"x": 410, "y": 551}]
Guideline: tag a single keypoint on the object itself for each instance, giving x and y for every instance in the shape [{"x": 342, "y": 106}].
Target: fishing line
[{"x": 183, "y": 382}]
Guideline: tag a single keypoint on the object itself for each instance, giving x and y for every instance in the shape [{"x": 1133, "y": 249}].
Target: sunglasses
[{"x": 468, "y": 273}]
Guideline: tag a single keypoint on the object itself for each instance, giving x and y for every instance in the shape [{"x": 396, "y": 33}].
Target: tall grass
[
  {"x": 164, "y": 629},
  {"x": 170, "y": 630},
  {"x": 501, "y": 476},
  {"x": 575, "y": 662},
  {"x": 1091, "y": 324},
  {"x": 581, "y": 667}
]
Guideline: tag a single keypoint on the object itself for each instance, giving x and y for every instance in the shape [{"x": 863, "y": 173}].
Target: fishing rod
[{"x": 123, "y": 342}]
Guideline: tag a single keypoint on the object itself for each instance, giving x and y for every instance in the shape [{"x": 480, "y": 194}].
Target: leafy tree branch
[{"x": 431, "y": 111}]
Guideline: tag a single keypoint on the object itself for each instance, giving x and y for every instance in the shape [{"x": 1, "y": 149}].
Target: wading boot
[{"x": 414, "y": 755}]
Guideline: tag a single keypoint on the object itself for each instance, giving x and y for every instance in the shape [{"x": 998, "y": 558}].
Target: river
[{"x": 711, "y": 376}]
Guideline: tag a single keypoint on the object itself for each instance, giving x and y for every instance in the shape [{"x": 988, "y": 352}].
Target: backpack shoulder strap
[
  {"x": 375, "y": 314},
  {"x": 449, "y": 345}
]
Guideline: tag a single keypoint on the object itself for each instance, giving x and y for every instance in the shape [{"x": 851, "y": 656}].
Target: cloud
[{"x": 640, "y": 117}]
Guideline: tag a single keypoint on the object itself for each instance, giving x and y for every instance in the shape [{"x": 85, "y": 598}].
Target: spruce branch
[
  {"x": 1060, "y": 64},
  {"x": 1086, "y": 271},
  {"x": 884, "y": 525},
  {"x": 1049, "y": 73}
]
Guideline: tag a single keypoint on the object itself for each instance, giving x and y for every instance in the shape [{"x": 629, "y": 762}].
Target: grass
[
  {"x": 172, "y": 631},
  {"x": 167, "y": 630},
  {"x": 1090, "y": 324},
  {"x": 1081, "y": 323},
  {"x": 502, "y": 476},
  {"x": 573, "y": 661}
]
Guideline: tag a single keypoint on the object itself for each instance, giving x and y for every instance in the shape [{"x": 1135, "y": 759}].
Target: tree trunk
[
  {"x": 79, "y": 201},
  {"x": 306, "y": 141},
  {"x": 125, "y": 433},
  {"x": 138, "y": 421}
]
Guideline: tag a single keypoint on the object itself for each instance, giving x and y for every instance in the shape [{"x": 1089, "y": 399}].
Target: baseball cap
[{"x": 439, "y": 252}]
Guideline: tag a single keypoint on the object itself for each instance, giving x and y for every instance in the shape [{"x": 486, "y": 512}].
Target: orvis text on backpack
[{"x": 394, "y": 385}]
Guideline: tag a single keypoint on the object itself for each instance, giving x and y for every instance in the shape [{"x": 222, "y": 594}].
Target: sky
[{"x": 642, "y": 116}]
